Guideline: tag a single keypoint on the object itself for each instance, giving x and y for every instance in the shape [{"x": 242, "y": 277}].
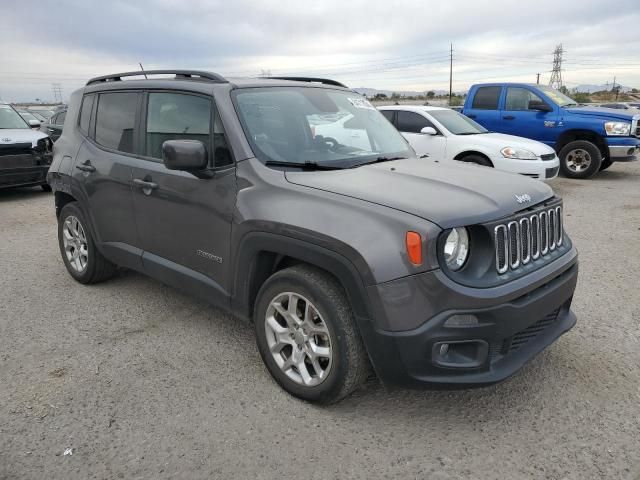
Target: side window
[
  {"x": 85, "y": 113},
  {"x": 411, "y": 122},
  {"x": 486, "y": 98},
  {"x": 60, "y": 118},
  {"x": 388, "y": 114},
  {"x": 176, "y": 116},
  {"x": 115, "y": 120},
  {"x": 519, "y": 98}
]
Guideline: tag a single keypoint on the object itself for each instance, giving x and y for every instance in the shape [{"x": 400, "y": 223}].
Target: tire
[
  {"x": 606, "y": 163},
  {"x": 580, "y": 159},
  {"x": 345, "y": 367},
  {"x": 45, "y": 187},
  {"x": 84, "y": 262},
  {"x": 477, "y": 159}
]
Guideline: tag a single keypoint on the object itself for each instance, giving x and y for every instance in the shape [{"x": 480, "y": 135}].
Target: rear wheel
[
  {"x": 81, "y": 257},
  {"x": 580, "y": 159},
  {"x": 307, "y": 337}
]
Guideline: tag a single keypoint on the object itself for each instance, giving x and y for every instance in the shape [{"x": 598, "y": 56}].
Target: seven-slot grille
[{"x": 519, "y": 242}]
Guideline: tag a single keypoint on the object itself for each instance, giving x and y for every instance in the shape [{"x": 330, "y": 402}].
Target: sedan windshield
[
  {"x": 9, "y": 118},
  {"x": 308, "y": 125},
  {"x": 457, "y": 123}
]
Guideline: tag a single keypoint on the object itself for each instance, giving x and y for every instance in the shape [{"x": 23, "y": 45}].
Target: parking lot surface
[{"x": 136, "y": 380}]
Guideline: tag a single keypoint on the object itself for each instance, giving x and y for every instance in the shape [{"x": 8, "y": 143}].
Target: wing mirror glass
[
  {"x": 429, "y": 131},
  {"x": 540, "y": 106}
]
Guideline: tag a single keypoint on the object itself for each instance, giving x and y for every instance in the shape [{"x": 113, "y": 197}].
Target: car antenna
[{"x": 142, "y": 68}]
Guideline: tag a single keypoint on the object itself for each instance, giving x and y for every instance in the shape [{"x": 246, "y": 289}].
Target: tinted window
[
  {"x": 175, "y": 116},
  {"x": 85, "y": 113},
  {"x": 519, "y": 98},
  {"x": 115, "y": 120},
  {"x": 388, "y": 114},
  {"x": 411, "y": 122},
  {"x": 60, "y": 118},
  {"x": 486, "y": 98}
]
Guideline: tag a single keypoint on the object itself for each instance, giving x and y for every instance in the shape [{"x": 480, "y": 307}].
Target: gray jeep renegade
[{"x": 294, "y": 203}]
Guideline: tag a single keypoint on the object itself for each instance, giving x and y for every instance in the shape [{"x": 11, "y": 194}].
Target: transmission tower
[
  {"x": 56, "y": 88},
  {"x": 556, "y": 73}
]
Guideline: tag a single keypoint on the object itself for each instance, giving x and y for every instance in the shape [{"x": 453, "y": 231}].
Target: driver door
[{"x": 518, "y": 120}]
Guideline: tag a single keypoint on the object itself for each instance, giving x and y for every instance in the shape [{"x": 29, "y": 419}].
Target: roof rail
[
  {"x": 326, "y": 81},
  {"x": 180, "y": 74}
]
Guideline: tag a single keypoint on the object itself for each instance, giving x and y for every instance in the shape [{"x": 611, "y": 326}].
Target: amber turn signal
[{"x": 414, "y": 247}]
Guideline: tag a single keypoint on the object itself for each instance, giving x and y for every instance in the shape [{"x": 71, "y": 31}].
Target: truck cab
[{"x": 587, "y": 139}]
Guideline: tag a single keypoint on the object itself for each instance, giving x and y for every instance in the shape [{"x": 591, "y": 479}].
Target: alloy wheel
[
  {"x": 75, "y": 244},
  {"x": 578, "y": 160}
]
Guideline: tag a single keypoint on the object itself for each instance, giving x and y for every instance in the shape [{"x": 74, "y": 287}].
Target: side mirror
[
  {"x": 34, "y": 123},
  {"x": 187, "y": 155},
  {"x": 540, "y": 106},
  {"x": 429, "y": 131}
]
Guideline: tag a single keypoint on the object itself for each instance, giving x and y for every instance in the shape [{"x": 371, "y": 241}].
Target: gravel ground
[{"x": 141, "y": 381}]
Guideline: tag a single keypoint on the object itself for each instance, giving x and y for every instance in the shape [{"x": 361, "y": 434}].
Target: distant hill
[
  {"x": 372, "y": 92},
  {"x": 587, "y": 88}
]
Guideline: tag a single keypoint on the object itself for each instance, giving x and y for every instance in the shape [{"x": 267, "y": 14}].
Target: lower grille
[
  {"x": 551, "y": 172},
  {"x": 17, "y": 161},
  {"x": 525, "y": 336},
  {"x": 15, "y": 149}
]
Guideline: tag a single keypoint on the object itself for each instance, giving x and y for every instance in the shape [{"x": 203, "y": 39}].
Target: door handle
[
  {"x": 471, "y": 115},
  {"x": 509, "y": 117},
  {"x": 147, "y": 187},
  {"x": 86, "y": 166}
]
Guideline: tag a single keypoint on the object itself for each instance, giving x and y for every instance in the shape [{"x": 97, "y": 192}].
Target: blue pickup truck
[{"x": 587, "y": 139}]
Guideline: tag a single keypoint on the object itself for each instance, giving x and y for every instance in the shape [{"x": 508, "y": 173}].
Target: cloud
[{"x": 366, "y": 43}]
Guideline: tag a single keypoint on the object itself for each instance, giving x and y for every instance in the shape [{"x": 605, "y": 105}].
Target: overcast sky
[{"x": 398, "y": 45}]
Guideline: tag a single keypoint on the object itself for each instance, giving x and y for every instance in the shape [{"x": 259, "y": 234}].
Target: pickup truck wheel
[
  {"x": 606, "y": 163},
  {"x": 81, "y": 257},
  {"x": 580, "y": 159},
  {"x": 477, "y": 159},
  {"x": 307, "y": 337}
]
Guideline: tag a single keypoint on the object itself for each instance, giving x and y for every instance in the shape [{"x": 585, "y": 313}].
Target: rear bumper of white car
[{"x": 540, "y": 169}]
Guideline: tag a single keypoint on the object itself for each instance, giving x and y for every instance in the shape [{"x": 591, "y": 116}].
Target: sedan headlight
[
  {"x": 518, "y": 153},
  {"x": 456, "y": 248},
  {"x": 617, "y": 128}
]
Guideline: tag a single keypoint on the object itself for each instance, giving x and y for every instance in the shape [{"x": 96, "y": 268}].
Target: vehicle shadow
[{"x": 21, "y": 193}]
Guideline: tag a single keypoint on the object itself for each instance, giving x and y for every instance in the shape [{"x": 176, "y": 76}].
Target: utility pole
[
  {"x": 538, "y": 79},
  {"x": 450, "y": 74},
  {"x": 556, "y": 73}
]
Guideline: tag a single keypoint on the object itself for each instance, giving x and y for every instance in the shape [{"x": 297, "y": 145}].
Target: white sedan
[{"x": 444, "y": 134}]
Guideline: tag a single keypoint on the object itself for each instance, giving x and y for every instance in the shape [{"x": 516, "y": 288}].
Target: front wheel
[
  {"x": 307, "y": 337},
  {"x": 580, "y": 159}
]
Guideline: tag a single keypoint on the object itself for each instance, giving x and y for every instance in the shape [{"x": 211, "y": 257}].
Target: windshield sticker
[{"x": 361, "y": 103}]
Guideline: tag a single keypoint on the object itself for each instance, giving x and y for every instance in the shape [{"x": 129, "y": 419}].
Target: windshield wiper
[
  {"x": 379, "y": 160},
  {"x": 302, "y": 165}
]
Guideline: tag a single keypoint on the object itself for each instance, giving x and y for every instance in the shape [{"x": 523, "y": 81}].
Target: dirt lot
[{"x": 141, "y": 381}]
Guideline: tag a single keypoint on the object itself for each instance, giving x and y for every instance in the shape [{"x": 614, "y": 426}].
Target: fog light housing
[
  {"x": 460, "y": 354},
  {"x": 464, "y": 320}
]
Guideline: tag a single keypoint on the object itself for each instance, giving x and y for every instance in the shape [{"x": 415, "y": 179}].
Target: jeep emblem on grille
[{"x": 524, "y": 198}]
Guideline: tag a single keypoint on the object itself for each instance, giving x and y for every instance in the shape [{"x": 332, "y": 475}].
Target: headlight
[
  {"x": 517, "y": 153},
  {"x": 617, "y": 128},
  {"x": 456, "y": 248}
]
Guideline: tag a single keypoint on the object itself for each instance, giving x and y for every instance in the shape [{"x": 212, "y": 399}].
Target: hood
[
  {"x": 9, "y": 136},
  {"x": 448, "y": 194},
  {"x": 501, "y": 140},
  {"x": 603, "y": 112}
]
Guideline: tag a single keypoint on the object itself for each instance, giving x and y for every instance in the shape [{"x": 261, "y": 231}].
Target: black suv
[{"x": 296, "y": 204}]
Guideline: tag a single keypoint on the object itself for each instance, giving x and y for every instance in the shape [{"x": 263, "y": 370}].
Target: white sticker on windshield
[{"x": 361, "y": 103}]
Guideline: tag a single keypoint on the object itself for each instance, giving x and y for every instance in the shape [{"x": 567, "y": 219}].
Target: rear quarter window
[
  {"x": 85, "y": 113},
  {"x": 115, "y": 120},
  {"x": 486, "y": 98}
]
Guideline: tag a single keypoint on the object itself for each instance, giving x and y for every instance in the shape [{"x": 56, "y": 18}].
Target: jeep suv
[{"x": 350, "y": 255}]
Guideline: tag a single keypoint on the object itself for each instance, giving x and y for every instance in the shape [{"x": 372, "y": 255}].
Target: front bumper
[
  {"x": 511, "y": 329},
  {"x": 623, "y": 149},
  {"x": 23, "y": 177},
  {"x": 540, "y": 169}
]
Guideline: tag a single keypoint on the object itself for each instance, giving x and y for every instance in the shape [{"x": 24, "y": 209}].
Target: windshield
[
  {"x": 9, "y": 118},
  {"x": 27, "y": 116},
  {"x": 556, "y": 97},
  {"x": 329, "y": 127},
  {"x": 457, "y": 123}
]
